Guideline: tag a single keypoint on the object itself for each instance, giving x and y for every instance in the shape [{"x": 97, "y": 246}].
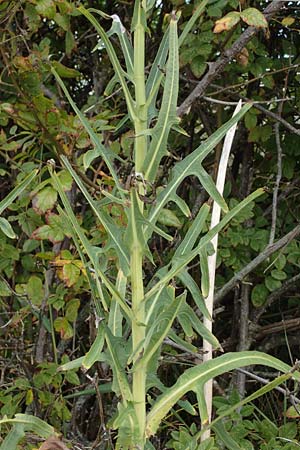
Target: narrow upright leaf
[
  {"x": 167, "y": 114},
  {"x": 114, "y": 232}
]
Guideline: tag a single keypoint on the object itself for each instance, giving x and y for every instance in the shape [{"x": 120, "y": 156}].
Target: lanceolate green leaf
[
  {"x": 13, "y": 438},
  {"x": 225, "y": 437},
  {"x": 96, "y": 348},
  {"x": 194, "y": 17},
  {"x": 17, "y": 191},
  {"x": 189, "y": 165},
  {"x": 117, "y": 368},
  {"x": 204, "y": 272},
  {"x": 156, "y": 75},
  {"x": 115, "y": 314},
  {"x": 31, "y": 423},
  {"x": 193, "y": 232},
  {"x": 89, "y": 250},
  {"x": 114, "y": 232},
  {"x": 159, "y": 330},
  {"x": 94, "y": 138},
  {"x": 182, "y": 261},
  {"x": 113, "y": 58},
  {"x": 167, "y": 114},
  {"x": 192, "y": 286},
  {"x": 200, "y": 374}
]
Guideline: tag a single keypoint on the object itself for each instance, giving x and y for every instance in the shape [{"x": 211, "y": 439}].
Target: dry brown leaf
[
  {"x": 53, "y": 443},
  {"x": 243, "y": 57}
]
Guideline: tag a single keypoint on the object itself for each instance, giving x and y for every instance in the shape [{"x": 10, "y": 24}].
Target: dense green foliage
[{"x": 48, "y": 316}]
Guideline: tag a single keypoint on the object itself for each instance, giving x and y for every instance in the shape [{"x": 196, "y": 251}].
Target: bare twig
[
  {"x": 268, "y": 251},
  {"x": 279, "y": 170},
  {"x": 217, "y": 67},
  {"x": 266, "y": 381},
  {"x": 290, "y": 284},
  {"x": 226, "y": 102}
]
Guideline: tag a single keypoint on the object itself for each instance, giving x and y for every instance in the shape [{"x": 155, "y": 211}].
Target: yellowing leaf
[
  {"x": 227, "y": 22},
  {"x": 70, "y": 274},
  {"x": 29, "y": 397},
  {"x": 62, "y": 325},
  {"x": 44, "y": 200},
  {"x": 288, "y": 21},
  {"x": 292, "y": 413},
  {"x": 254, "y": 18}
]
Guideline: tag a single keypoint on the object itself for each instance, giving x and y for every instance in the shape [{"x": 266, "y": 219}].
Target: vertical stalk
[
  {"x": 140, "y": 123},
  {"x": 136, "y": 257}
]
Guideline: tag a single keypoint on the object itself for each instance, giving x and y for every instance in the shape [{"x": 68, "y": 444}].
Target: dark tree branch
[
  {"x": 269, "y": 250},
  {"x": 289, "y": 285},
  {"x": 217, "y": 67}
]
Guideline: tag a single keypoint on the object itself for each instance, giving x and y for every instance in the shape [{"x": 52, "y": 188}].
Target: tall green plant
[{"x": 148, "y": 310}]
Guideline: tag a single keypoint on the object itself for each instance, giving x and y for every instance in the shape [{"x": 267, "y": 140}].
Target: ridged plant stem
[{"x": 140, "y": 148}]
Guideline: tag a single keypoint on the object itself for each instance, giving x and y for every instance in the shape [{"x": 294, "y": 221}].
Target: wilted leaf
[
  {"x": 227, "y": 22},
  {"x": 254, "y": 18},
  {"x": 292, "y": 413},
  {"x": 54, "y": 231},
  {"x": 243, "y": 57},
  {"x": 70, "y": 274}
]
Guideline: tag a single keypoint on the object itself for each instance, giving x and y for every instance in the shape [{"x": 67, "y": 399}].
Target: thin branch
[
  {"x": 285, "y": 392},
  {"x": 279, "y": 168},
  {"x": 218, "y": 66},
  {"x": 269, "y": 250},
  {"x": 252, "y": 80},
  {"x": 265, "y": 111},
  {"x": 225, "y": 102},
  {"x": 290, "y": 284}
]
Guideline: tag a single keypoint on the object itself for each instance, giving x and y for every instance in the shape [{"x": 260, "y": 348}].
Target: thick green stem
[
  {"x": 138, "y": 336},
  {"x": 140, "y": 92},
  {"x": 140, "y": 148}
]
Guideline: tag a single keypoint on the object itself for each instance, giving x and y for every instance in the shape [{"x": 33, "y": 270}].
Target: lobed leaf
[
  {"x": 114, "y": 232},
  {"x": 202, "y": 373},
  {"x": 114, "y": 60},
  {"x": 190, "y": 166}
]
